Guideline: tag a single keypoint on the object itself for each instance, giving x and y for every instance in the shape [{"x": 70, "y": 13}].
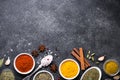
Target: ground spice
[
  {"x": 24, "y": 63},
  {"x": 92, "y": 74},
  {"x": 111, "y": 67},
  {"x": 69, "y": 69}
]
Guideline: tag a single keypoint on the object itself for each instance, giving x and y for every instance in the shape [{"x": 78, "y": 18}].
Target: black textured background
[{"x": 65, "y": 24}]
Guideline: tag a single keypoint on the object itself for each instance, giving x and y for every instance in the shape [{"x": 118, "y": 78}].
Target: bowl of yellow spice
[
  {"x": 69, "y": 69},
  {"x": 111, "y": 67}
]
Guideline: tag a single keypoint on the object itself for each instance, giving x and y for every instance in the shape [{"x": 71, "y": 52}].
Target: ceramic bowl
[
  {"x": 109, "y": 61},
  {"x": 17, "y": 68},
  {"x": 42, "y": 72},
  {"x": 100, "y": 73},
  {"x": 61, "y": 72}
]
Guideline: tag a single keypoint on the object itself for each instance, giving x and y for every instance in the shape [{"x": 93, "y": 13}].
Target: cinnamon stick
[
  {"x": 78, "y": 58},
  {"x": 76, "y": 51},
  {"x": 82, "y": 58}
]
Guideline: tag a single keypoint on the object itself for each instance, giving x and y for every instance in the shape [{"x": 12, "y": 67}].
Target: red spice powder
[{"x": 24, "y": 63}]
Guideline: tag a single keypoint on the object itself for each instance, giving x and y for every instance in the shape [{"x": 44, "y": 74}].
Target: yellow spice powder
[
  {"x": 111, "y": 67},
  {"x": 69, "y": 69}
]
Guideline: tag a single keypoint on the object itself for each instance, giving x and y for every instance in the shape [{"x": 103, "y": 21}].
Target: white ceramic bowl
[
  {"x": 27, "y": 71},
  {"x": 114, "y": 61},
  {"x": 42, "y": 72},
  {"x": 65, "y": 61},
  {"x": 100, "y": 73}
]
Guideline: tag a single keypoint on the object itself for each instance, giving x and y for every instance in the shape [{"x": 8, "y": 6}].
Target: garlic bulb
[
  {"x": 101, "y": 58},
  {"x": 7, "y": 62}
]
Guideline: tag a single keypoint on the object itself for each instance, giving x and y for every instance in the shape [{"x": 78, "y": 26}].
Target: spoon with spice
[{"x": 44, "y": 62}]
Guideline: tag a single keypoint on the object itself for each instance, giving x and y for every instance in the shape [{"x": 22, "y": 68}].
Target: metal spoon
[{"x": 44, "y": 62}]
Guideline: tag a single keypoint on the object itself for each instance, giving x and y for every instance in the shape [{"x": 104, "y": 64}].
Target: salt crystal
[
  {"x": 11, "y": 50},
  {"x": 29, "y": 44}
]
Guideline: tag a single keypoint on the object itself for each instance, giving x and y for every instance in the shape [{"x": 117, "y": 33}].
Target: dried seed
[
  {"x": 89, "y": 52},
  {"x": 97, "y": 62},
  {"x": 92, "y": 54},
  {"x": 93, "y": 58},
  {"x": 89, "y": 57}
]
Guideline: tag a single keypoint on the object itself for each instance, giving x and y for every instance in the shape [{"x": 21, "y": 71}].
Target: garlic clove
[
  {"x": 7, "y": 62},
  {"x": 116, "y": 77},
  {"x": 101, "y": 58}
]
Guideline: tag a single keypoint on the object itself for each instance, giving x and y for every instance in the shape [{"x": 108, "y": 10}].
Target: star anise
[
  {"x": 35, "y": 53},
  {"x": 53, "y": 67},
  {"x": 41, "y": 48}
]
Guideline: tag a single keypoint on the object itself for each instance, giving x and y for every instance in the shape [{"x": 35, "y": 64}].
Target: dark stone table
[{"x": 62, "y": 24}]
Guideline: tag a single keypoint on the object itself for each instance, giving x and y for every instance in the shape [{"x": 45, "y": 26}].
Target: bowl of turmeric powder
[
  {"x": 69, "y": 69},
  {"x": 111, "y": 67},
  {"x": 24, "y": 63}
]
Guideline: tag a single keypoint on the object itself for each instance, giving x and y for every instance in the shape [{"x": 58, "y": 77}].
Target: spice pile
[
  {"x": 7, "y": 74},
  {"x": 92, "y": 74},
  {"x": 24, "y": 63}
]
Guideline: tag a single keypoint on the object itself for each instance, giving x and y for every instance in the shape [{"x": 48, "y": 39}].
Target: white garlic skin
[{"x": 7, "y": 62}]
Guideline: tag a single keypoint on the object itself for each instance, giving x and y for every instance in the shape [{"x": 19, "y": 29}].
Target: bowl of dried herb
[{"x": 92, "y": 73}]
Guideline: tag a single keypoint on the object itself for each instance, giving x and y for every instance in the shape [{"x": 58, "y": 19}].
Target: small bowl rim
[
  {"x": 73, "y": 61},
  {"x": 42, "y": 72},
  {"x": 108, "y": 61},
  {"x": 99, "y": 70},
  {"x": 27, "y": 71}
]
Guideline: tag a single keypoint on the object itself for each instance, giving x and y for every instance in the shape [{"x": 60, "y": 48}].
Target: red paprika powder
[{"x": 24, "y": 63}]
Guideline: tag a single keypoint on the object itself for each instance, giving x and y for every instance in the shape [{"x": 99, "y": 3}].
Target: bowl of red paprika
[{"x": 24, "y": 63}]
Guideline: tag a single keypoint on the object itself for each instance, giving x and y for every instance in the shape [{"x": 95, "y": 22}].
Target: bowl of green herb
[
  {"x": 43, "y": 75},
  {"x": 92, "y": 73}
]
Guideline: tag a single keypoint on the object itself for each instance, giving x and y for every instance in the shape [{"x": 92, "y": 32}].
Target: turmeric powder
[
  {"x": 111, "y": 67},
  {"x": 69, "y": 69}
]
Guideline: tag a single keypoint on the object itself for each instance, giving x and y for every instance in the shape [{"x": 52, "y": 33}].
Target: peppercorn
[
  {"x": 53, "y": 67},
  {"x": 41, "y": 48},
  {"x": 34, "y": 53}
]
